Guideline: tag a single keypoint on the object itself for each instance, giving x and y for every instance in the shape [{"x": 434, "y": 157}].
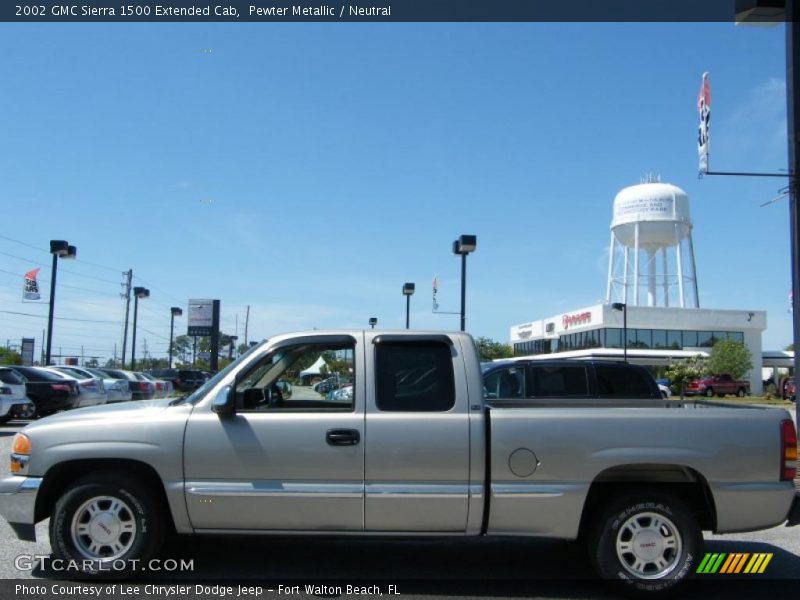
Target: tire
[
  {"x": 128, "y": 526},
  {"x": 30, "y": 413},
  {"x": 5, "y": 419},
  {"x": 740, "y": 393},
  {"x": 659, "y": 557},
  {"x": 709, "y": 392}
]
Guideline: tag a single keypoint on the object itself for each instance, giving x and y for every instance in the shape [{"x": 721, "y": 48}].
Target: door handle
[{"x": 342, "y": 437}]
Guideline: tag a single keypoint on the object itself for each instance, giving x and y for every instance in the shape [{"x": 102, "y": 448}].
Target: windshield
[{"x": 201, "y": 391}]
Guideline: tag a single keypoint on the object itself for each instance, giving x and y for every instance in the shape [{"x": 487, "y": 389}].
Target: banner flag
[
  {"x": 435, "y": 291},
  {"x": 703, "y": 137},
  {"x": 30, "y": 290}
]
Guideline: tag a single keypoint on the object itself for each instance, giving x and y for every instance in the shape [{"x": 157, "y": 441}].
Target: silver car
[
  {"x": 91, "y": 390},
  {"x": 118, "y": 390},
  {"x": 163, "y": 388}
]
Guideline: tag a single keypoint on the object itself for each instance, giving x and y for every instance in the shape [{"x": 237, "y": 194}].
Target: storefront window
[
  {"x": 690, "y": 339},
  {"x": 674, "y": 340},
  {"x": 659, "y": 338},
  {"x": 613, "y": 338},
  {"x": 705, "y": 339},
  {"x": 644, "y": 338}
]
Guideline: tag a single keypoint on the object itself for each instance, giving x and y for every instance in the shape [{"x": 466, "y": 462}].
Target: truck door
[
  {"x": 417, "y": 455},
  {"x": 292, "y": 456}
]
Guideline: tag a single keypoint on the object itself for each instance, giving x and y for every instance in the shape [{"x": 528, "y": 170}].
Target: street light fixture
[
  {"x": 373, "y": 321},
  {"x": 174, "y": 312},
  {"x": 59, "y": 249},
  {"x": 624, "y": 308},
  {"x": 138, "y": 292},
  {"x": 463, "y": 246},
  {"x": 408, "y": 291}
]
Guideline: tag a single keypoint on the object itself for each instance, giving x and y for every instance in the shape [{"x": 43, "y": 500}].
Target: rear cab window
[{"x": 414, "y": 377}]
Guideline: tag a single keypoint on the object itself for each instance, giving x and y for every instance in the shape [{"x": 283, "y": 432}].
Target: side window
[
  {"x": 621, "y": 382},
  {"x": 414, "y": 376},
  {"x": 563, "y": 381},
  {"x": 307, "y": 377},
  {"x": 505, "y": 383}
]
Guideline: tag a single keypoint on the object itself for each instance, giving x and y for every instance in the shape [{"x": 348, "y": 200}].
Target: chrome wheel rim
[
  {"x": 103, "y": 528},
  {"x": 649, "y": 545},
  {"x": 27, "y": 412}
]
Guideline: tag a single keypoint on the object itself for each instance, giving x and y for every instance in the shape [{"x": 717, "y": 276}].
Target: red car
[{"x": 718, "y": 385}]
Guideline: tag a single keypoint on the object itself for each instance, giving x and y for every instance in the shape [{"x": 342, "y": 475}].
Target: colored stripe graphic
[{"x": 724, "y": 563}]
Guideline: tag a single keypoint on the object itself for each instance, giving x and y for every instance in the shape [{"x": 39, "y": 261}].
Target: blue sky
[{"x": 308, "y": 170}]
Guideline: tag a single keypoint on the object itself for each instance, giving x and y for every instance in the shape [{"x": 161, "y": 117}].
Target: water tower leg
[
  {"x": 625, "y": 276},
  {"x": 610, "y": 268},
  {"x": 679, "y": 261},
  {"x": 665, "y": 267},
  {"x": 694, "y": 271},
  {"x": 636, "y": 265},
  {"x": 651, "y": 278}
]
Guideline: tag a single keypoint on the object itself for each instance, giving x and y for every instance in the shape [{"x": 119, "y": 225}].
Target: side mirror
[{"x": 223, "y": 403}]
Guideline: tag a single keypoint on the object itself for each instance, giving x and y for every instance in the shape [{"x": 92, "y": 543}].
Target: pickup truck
[
  {"x": 416, "y": 449},
  {"x": 719, "y": 385}
]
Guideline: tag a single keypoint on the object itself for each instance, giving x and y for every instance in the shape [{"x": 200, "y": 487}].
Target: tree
[
  {"x": 730, "y": 356},
  {"x": 683, "y": 371},
  {"x": 9, "y": 357},
  {"x": 92, "y": 362},
  {"x": 488, "y": 349},
  {"x": 182, "y": 348}
]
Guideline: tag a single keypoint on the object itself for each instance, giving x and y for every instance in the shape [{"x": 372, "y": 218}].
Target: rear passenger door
[{"x": 417, "y": 424}]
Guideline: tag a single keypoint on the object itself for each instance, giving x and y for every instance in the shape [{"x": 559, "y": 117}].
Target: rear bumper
[
  {"x": 18, "y": 503},
  {"x": 794, "y": 512},
  {"x": 53, "y": 404}
]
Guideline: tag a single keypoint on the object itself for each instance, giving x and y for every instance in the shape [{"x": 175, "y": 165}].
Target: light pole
[
  {"x": 233, "y": 339},
  {"x": 463, "y": 246},
  {"x": 624, "y": 308},
  {"x": 138, "y": 292},
  {"x": 408, "y": 291},
  {"x": 174, "y": 312},
  {"x": 58, "y": 248},
  {"x": 373, "y": 321}
]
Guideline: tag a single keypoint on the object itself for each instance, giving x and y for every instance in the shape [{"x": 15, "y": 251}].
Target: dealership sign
[
  {"x": 201, "y": 318},
  {"x": 576, "y": 319}
]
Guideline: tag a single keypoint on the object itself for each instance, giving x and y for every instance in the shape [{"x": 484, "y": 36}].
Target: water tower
[{"x": 651, "y": 256}]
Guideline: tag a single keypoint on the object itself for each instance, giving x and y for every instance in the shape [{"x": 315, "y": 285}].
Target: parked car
[
  {"x": 564, "y": 379},
  {"x": 141, "y": 389},
  {"x": 636, "y": 481},
  {"x": 665, "y": 390},
  {"x": 117, "y": 390},
  {"x": 48, "y": 391},
  {"x": 163, "y": 387},
  {"x": 91, "y": 389},
  {"x": 183, "y": 380},
  {"x": 13, "y": 397},
  {"x": 718, "y": 385}
]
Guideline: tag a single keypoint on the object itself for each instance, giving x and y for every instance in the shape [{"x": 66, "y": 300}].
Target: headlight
[{"x": 20, "y": 454}]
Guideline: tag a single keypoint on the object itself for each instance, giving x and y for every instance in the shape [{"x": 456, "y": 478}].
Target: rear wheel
[
  {"x": 709, "y": 392},
  {"x": 29, "y": 412},
  {"x": 646, "y": 542},
  {"x": 109, "y": 524},
  {"x": 740, "y": 392}
]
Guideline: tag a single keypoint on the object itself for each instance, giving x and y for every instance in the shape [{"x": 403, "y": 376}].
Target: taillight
[
  {"x": 4, "y": 391},
  {"x": 142, "y": 386},
  {"x": 87, "y": 384},
  {"x": 788, "y": 450},
  {"x": 60, "y": 387}
]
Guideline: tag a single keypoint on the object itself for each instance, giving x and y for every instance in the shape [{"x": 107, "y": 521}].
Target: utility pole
[
  {"x": 41, "y": 361},
  {"x": 246, "y": 323},
  {"x": 126, "y": 295},
  {"x": 793, "y": 115}
]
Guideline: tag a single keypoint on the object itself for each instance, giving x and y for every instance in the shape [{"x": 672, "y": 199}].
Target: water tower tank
[{"x": 651, "y": 247}]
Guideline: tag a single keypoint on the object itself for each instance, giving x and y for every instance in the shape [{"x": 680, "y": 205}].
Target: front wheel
[
  {"x": 646, "y": 542},
  {"x": 108, "y": 525},
  {"x": 740, "y": 392},
  {"x": 709, "y": 392}
]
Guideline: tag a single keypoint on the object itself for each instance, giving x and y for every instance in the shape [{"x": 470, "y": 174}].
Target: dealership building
[{"x": 652, "y": 308}]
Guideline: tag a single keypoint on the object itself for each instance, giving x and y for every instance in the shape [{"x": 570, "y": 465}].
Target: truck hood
[{"x": 117, "y": 413}]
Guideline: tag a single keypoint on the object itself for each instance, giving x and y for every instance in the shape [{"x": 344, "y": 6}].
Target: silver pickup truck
[{"x": 405, "y": 445}]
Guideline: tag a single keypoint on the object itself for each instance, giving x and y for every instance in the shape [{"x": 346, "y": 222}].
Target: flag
[
  {"x": 703, "y": 136},
  {"x": 435, "y": 290},
  {"x": 30, "y": 291}
]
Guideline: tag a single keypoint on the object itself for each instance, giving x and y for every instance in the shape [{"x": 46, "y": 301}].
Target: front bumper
[
  {"x": 794, "y": 512},
  {"x": 18, "y": 503}
]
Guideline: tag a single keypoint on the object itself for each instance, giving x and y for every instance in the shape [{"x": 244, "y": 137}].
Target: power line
[{"x": 11, "y": 312}]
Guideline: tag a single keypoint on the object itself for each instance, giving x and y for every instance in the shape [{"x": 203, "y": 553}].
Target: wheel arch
[
  {"x": 680, "y": 480},
  {"x": 60, "y": 476}
]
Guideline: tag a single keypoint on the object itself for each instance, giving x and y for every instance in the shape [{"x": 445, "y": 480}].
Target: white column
[
  {"x": 679, "y": 261},
  {"x": 694, "y": 271},
  {"x": 665, "y": 266},
  {"x": 636, "y": 265},
  {"x": 610, "y": 268},
  {"x": 651, "y": 277}
]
